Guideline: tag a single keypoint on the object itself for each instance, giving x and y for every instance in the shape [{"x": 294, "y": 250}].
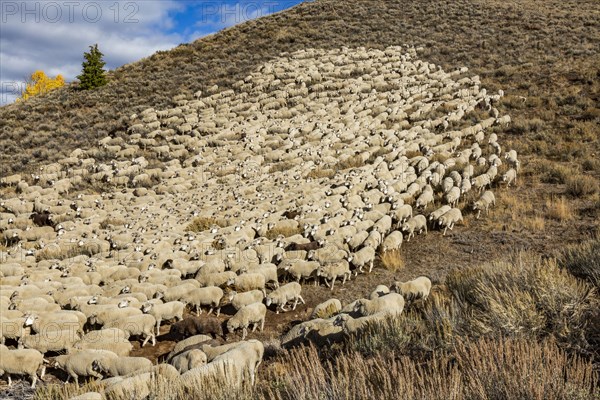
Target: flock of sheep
[{"x": 304, "y": 172}]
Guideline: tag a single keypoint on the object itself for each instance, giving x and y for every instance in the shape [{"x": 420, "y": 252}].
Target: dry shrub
[
  {"x": 350, "y": 162},
  {"x": 559, "y": 209},
  {"x": 392, "y": 260},
  {"x": 319, "y": 173},
  {"x": 273, "y": 233},
  {"x": 534, "y": 224},
  {"x": 281, "y": 166},
  {"x": 108, "y": 221},
  {"x": 581, "y": 185},
  {"x": 200, "y": 224},
  {"x": 526, "y": 296},
  {"x": 582, "y": 260}
]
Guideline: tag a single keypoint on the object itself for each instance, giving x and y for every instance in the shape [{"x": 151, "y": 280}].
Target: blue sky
[{"x": 52, "y": 35}]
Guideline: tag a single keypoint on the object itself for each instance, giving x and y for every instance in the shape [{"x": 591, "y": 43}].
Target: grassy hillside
[{"x": 545, "y": 51}]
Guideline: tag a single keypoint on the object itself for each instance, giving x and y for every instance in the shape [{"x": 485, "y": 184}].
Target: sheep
[
  {"x": 326, "y": 309},
  {"x": 60, "y": 320},
  {"x": 246, "y": 358},
  {"x": 436, "y": 214},
  {"x": 323, "y": 332},
  {"x": 448, "y": 219},
  {"x": 510, "y": 176},
  {"x": 82, "y": 363},
  {"x": 379, "y": 291},
  {"x": 239, "y": 300},
  {"x": 481, "y": 181},
  {"x": 120, "y": 366},
  {"x": 247, "y": 282},
  {"x": 58, "y": 340},
  {"x": 21, "y": 362},
  {"x": 484, "y": 202},
  {"x": 393, "y": 241},
  {"x": 192, "y": 326},
  {"x": 352, "y": 326},
  {"x": 187, "y": 344},
  {"x": 188, "y": 360},
  {"x": 166, "y": 311},
  {"x": 452, "y": 196},
  {"x": 391, "y": 303},
  {"x": 251, "y": 314},
  {"x": 417, "y": 223},
  {"x": 355, "y": 241},
  {"x": 418, "y": 288},
  {"x": 206, "y": 296},
  {"x": 285, "y": 294},
  {"x": 333, "y": 271},
  {"x": 137, "y": 325},
  {"x": 112, "y": 339},
  {"x": 301, "y": 269},
  {"x": 214, "y": 279},
  {"x": 365, "y": 256}
]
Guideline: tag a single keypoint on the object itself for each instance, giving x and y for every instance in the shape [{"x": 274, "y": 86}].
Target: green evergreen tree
[{"x": 93, "y": 74}]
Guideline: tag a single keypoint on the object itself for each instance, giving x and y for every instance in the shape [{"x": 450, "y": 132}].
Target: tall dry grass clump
[
  {"x": 526, "y": 296},
  {"x": 583, "y": 260},
  {"x": 392, "y": 260}
]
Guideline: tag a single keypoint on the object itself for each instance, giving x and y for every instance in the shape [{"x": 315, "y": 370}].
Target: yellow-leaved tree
[{"x": 40, "y": 83}]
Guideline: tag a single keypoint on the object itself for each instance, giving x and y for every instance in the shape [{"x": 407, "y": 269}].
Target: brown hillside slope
[{"x": 545, "y": 51}]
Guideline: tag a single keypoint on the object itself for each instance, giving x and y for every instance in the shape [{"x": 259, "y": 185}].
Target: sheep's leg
[
  {"x": 153, "y": 340},
  {"x": 158, "y": 327},
  {"x": 371, "y": 266},
  {"x": 146, "y": 340},
  {"x": 210, "y": 311},
  {"x": 344, "y": 279},
  {"x": 244, "y": 333},
  {"x": 33, "y": 380},
  {"x": 9, "y": 380},
  {"x": 332, "y": 282},
  {"x": 295, "y": 303},
  {"x": 327, "y": 283},
  {"x": 254, "y": 325},
  {"x": 262, "y": 324},
  {"x": 218, "y": 311},
  {"x": 445, "y": 229},
  {"x": 43, "y": 372},
  {"x": 301, "y": 299}
]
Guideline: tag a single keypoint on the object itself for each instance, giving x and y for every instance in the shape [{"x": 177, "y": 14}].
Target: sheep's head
[{"x": 268, "y": 301}]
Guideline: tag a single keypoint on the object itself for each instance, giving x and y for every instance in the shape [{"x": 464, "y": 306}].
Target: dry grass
[
  {"x": 582, "y": 185},
  {"x": 558, "y": 209},
  {"x": 392, "y": 260},
  {"x": 272, "y": 234},
  {"x": 319, "y": 173},
  {"x": 350, "y": 162},
  {"x": 200, "y": 224}
]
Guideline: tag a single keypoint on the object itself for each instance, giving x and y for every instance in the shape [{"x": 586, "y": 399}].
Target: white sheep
[
  {"x": 50, "y": 341},
  {"x": 391, "y": 303},
  {"x": 393, "y": 241},
  {"x": 510, "y": 176},
  {"x": 206, "y": 296},
  {"x": 166, "y": 311},
  {"x": 449, "y": 218},
  {"x": 417, "y": 223},
  {"x": 418, "y": 288},
  {"x": 239, "y": 300},
  {"x": 484, "y": 202},
  {"x": 302, "y": 269},
  {"x": 333, "y": 271},
  {"x": 120, "y": 366},
  {"x": 326, "y": 309},
  {"x": 285, "y": 294},
  {"x": 352, "y": 326},
  {"x": 137, "y": 325},
  {"x": 21, "y": 362},
  {"x": 112, "y": 339},
  {"x": 188, "y": 360},
  {"x": 251, "y": 314},
  {"x": 81, "y": 363},
  {"x": 363, "y": 257},
  {"x": 249, "y": 281}
]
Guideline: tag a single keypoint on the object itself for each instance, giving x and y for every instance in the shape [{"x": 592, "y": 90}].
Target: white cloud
[{"x": 52, "y": 35}]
